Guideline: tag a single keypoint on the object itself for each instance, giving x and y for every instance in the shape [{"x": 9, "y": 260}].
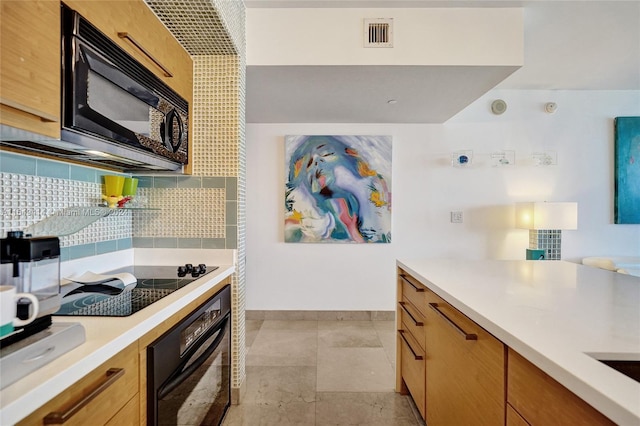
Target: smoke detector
[
  {"x": 498, "y": 106},
  {"x": 378, "y": 32}
]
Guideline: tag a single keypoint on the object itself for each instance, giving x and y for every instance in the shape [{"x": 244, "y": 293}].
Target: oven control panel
[{"x": 199, "y": 327}]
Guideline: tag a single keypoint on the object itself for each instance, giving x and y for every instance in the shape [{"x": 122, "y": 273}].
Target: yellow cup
[
  {"x": 113, "y": 185},
  {"x": 130, "y": 186}
]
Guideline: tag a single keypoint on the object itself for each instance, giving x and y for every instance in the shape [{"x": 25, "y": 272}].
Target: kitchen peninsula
[
  {"x": 553, "y": 317},
  {"x": 114, "y": 338}
]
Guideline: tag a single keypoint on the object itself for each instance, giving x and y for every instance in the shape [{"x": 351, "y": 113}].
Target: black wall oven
[{"x": 189, "y": 367}]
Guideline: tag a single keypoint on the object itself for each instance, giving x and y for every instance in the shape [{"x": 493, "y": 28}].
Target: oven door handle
[{"x": 182, "y": 372}]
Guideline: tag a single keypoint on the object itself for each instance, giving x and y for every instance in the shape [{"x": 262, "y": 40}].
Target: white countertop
[
  {"x": 554, "y": 313},
  {"x": 106, "y": 336}
]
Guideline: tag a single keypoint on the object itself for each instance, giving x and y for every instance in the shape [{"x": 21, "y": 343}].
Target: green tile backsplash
[
  {"x": 52, "y": 169},
  {"x": 10, "y": 163},
  {"x": 83, "y": 174}
]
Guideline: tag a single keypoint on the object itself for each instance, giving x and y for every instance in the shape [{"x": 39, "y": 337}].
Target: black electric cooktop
[{"x": 115, "y": 299}]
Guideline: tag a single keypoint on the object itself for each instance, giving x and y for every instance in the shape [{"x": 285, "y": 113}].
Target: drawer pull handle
[
  {"x": 415, "y": 355},
  {"x": 415, "y": 321},
  {"x": 467, "y": 336},
  {"x": 164, "y": 69},
  {"x": 415, "y": 287},
  {"x": 29, "y": 110},
  {"x": 58, "y": 418}
]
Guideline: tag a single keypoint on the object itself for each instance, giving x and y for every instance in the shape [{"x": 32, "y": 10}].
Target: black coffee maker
[{"x": 31, "y": 265}]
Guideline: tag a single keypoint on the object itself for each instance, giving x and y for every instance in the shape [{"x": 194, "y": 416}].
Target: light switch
[{"x": 456, "y": 217}]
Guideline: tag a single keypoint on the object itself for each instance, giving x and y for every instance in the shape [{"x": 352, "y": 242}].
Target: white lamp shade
[{"x": 547, "y": 215}]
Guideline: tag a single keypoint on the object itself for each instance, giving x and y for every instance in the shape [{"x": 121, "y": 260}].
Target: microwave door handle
[
  {"x": 166, "y": 130},
  {"x": 184, "y": 372}
]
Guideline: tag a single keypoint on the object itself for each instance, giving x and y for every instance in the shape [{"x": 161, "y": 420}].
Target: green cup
[{"x": 130, "y": 186}]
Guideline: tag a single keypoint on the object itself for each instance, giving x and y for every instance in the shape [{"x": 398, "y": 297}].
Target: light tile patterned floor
[{"x": 321, "y": 373}]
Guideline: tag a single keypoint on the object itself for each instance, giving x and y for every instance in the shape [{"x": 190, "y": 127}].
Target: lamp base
[
  {"x": 535, "y": 254},
  {"x": 548, "y": 240}
]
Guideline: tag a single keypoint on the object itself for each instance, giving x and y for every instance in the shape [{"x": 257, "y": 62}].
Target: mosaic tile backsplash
[
  {"x": 33, "y": 189},
  {"x": 184, "y": 211},
  {"x": 213, "y": 32}
]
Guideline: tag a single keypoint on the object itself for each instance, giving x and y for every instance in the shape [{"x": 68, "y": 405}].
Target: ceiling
[{"x": 569, "y": 45}]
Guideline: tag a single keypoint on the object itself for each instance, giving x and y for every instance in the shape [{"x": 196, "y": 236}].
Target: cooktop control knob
[
  {"x": 195, "y": 271},
  {"x": 198, "y": 270},
  {"x": 182, "y": 271}
]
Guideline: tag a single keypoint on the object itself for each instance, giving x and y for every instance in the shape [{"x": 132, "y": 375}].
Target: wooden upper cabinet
[
  {"x": 147, "y": 39},
  {"x": 30, "y": 66}
]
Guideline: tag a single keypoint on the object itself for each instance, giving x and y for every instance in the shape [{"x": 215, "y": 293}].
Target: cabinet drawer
[
  {"x": 541, "y": 400},
  {"x": 96, "y": 398},
  {"x": 413, "y": 370},
  {"x": 413, "y": 322},
  {"x": 413, "y": 291}
]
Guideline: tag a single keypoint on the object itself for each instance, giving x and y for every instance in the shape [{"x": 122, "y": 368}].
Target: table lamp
[{"x": 545, "y": 222}]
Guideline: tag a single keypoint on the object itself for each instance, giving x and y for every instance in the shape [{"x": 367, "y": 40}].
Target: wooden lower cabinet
[
  {"x": 410, "y": 349},
  {"x": 452, "y": 380},
  {"x": 107, "y": 395},
  {"x": 115, "y": 393},
  {"x": 413, "y": 371},
  {"x": 541, "y": 400},
  {"x": 465, "y": 369},
  {"x": 462, "y": 375}
]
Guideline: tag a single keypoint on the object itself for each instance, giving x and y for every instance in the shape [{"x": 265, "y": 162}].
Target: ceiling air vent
[{"x": 378, "y": 32}]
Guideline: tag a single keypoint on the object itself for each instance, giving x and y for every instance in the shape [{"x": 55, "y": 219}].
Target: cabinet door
[
  {"x": 541, "y": 400},
  {"x": 465, "y": 369},
  {"x": 146, "y": 39},
  {"x": 30, "y": 66}
]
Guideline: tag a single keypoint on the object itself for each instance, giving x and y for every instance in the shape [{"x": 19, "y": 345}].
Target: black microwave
[{"x": 115, "y": 108}]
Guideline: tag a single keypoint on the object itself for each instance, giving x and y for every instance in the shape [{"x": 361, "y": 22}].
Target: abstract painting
[
  {"x": 627, "y": 170},
  {"x": 337, "y": 189}
]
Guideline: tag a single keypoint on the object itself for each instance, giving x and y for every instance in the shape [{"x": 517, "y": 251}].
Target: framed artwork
[
  {"x": 337, "y": 189},
  {"x": 627, "y": 170}
]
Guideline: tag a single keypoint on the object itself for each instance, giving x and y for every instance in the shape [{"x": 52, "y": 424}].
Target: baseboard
[{"x": 321, "y": 315}]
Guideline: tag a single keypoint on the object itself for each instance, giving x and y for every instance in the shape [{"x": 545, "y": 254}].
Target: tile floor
[{"x": 321, "y": 373}]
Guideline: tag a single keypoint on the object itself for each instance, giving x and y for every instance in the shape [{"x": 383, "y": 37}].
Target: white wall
[
  {"x": 426, "y": 188},
  {"x": 421, "y": 36}
]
